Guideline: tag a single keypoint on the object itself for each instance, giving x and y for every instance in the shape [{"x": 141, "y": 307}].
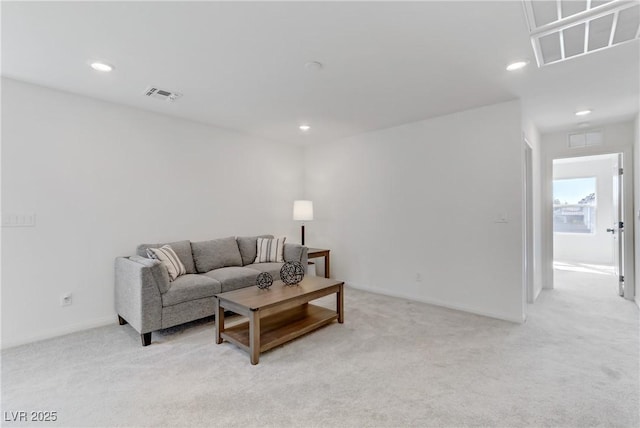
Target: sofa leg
[
  {"x": 146, "y": 339},
  {"x": 121, "y": 320}
]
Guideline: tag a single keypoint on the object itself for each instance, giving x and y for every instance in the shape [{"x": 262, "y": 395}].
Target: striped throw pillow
[
  {"x": 169, "y": 258},
  {"x": 270, "y": 250}
]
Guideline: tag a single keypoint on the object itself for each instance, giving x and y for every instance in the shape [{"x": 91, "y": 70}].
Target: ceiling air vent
[
  {"x": 565, "y": 29},
  {"x": 161, "y": 94}
]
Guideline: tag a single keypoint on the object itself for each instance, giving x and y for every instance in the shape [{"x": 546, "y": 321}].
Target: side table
[{"x": 319, "y": 252}]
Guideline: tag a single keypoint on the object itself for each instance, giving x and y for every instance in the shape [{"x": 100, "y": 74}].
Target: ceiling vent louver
[
  {"x": 565, "y": 29},
  {"x": 585, "y": 139},
  {"x": 161, "y": 94}
]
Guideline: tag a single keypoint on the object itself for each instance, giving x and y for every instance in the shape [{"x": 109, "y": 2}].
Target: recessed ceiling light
[
  {"x": 304, "y": 128},
  {"x": 583, "y": 112},
  {"x": 517, "y": 65},
  {"x": 101, "y": 66}
]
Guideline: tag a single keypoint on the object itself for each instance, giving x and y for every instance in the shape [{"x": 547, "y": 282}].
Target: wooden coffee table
[{"x": 278, "y": 314}]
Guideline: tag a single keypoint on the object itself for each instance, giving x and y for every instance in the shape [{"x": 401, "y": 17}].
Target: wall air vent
[
  {"x": 161, "y": 94},
  {"x": 585, "y": 139}
]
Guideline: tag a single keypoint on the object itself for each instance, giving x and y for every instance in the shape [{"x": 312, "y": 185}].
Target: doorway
[{"x": 588, "y": 224}]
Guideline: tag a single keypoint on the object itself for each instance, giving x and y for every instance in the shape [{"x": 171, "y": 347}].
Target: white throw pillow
[
  {"x": 270, "y": 250},
  {"x": 170, "y": 259}
]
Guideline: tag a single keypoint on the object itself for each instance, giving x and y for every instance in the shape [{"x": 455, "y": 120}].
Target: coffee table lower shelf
[{"x": 281, "y": 327}]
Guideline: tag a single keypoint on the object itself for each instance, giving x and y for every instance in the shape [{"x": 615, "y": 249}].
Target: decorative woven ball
[
  {"x": 292, "y": 273},
  {"x": 264, "y": 280}
]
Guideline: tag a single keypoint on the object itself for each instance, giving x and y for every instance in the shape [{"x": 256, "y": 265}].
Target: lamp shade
[{"x": 303, "y": 210}]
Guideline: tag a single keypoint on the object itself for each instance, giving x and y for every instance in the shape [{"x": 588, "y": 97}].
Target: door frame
[
  {"x": 547, "y": 210},
  {"x": 619, "y": 262},
  {"x": 527, "y": 216}
]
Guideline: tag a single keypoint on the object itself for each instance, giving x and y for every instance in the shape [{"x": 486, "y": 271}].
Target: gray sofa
[{"x": 148, "y": 301}]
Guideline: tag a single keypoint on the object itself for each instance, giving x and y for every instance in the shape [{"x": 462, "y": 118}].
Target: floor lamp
[{"x": 303, "y": 211}]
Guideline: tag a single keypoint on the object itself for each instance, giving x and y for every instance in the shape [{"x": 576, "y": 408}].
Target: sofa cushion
[
  {"x": 293, "y": 252},
  {"x": 181, "y": 248},
  {"x": 272, "y": 268},
  {"x": 270, "y": 250},
  {"x": 190, "y": 287},
  {"x": 233, "y": 278},
  {"x": 248, "y": 247},
  {"x": 215, "y": 254},
  {"x": 169, "y": 259}
]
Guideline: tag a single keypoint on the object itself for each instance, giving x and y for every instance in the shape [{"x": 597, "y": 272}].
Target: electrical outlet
[
  {"x": 418, "y": 277},
  {"x": 501, "y": 218},
  {"x": 66, "y": 299}
]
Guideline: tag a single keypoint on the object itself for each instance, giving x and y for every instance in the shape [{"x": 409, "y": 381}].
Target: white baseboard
[
  {"x": 435, "y": 302},
  {"x": 56, "y": 332},
  {"x": 112, "y": 319},
  {"x": 536, "y": 293}
]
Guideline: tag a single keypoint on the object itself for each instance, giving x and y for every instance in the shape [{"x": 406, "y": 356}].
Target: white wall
[
  {"x": 532, "y": 136},
  {"x": 103, "y": 178},
  {"x": 596, "y": 247},
  {"x": 636, "y": 193},
  {"x": 422, "y": 199},
  {"x": 618, "y": 138}
]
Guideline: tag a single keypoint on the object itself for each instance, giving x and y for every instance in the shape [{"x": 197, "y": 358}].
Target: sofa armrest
[
  {"x": 296, "y": 253},
  {"x": 137, "y": 297},
  {"x": 158, "y": 271}
]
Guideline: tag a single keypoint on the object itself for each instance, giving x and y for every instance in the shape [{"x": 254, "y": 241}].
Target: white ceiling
[{"x": 240, "y": 65}]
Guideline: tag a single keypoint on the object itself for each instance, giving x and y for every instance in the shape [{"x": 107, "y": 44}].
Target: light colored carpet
[{"x": 395, "y": 363}]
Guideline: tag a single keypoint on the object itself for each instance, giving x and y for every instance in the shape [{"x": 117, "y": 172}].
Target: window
[{"x": 574, "y": 205}]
